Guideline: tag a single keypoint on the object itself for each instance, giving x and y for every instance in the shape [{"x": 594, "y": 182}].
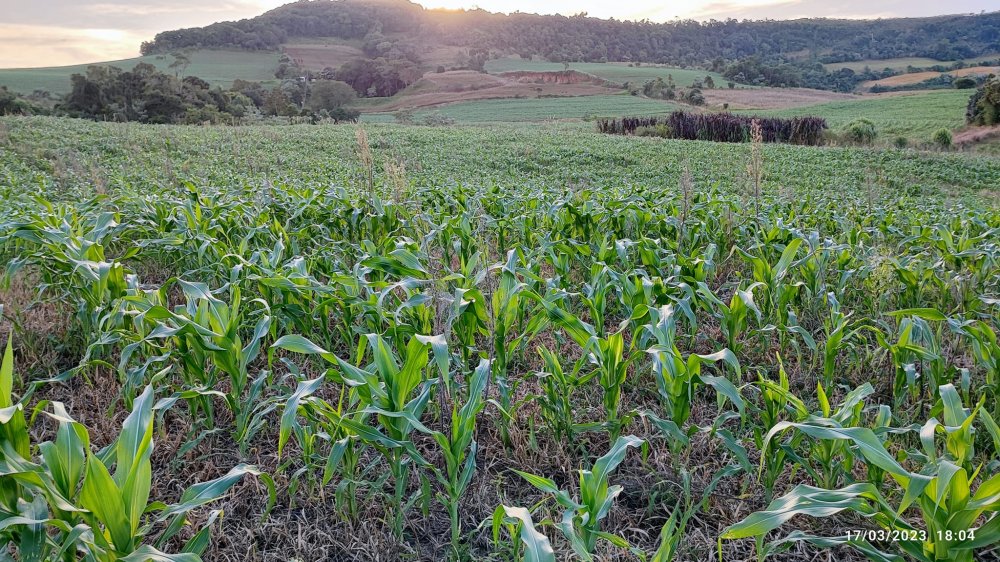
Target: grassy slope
[
  {"x": 915, "y": 116},
  {"x": 615, "y": 72},
  {"x": 540, "y": 109},
  {"x": 217, "y": 67}
]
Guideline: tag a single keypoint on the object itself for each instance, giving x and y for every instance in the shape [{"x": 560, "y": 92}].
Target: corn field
[{"x": 382, "y": 364}]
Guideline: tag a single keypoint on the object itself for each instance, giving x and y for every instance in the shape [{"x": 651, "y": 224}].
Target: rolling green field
[
  {"x": 915, "y": 116},
  {"x": 218, "y": 68},
  {"x": 492, "y": 343},
  {"x": 614, "y": 72}
]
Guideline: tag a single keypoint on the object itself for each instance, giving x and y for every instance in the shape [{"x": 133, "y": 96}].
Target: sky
[{"x": 37, "y": 33}]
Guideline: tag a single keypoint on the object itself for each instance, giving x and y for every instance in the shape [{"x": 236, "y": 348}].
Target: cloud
[
  {"x": 64, "y": 32},
  {"x": 35, "y": 45}
]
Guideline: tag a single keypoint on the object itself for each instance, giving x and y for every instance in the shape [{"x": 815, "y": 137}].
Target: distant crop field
[
  {"x": 902, "y": 63},
  {"x": 918, "y": 77},
  {"x": 614, "y": 71},
  {"x": 218, "y": 68},
  {"x": 541, "y": 109},
  {"x": 915, "y": 116}
]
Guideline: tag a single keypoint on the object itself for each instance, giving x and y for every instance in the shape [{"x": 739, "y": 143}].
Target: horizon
[{"x": 39, "y": 36}]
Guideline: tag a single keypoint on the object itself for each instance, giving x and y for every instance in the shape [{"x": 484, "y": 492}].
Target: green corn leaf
[
  {"x": 146, "y": 553},
  {"x": 536, "y": 545}
]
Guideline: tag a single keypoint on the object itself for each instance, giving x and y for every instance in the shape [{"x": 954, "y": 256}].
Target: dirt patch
[
  {"x": 457, "y": 81},
  {"x": 772, "y": 98},
  {"x": 974, "y": 135}
]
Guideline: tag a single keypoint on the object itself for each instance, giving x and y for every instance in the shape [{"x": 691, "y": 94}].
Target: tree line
[{"x": 146, "y": 95}]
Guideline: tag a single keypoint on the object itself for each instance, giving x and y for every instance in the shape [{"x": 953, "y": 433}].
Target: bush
[
  {"x": 942, "y": 138},
  {"x": 661, "y": 130},
  {"x": 437, "y": 119},
  {"x": 964, "y": 83},
  {"x": 861, "y": 131},
  {"x": 695, "y": 97},
  {"x": 404, "y": 117},
  {"x": 901, "y": 142}
]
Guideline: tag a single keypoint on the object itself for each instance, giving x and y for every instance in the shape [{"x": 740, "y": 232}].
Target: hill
[{"x": 584, "y": 39}]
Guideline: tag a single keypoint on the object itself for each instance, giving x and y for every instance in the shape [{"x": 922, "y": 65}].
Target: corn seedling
[{"x": 581, "y": 520}]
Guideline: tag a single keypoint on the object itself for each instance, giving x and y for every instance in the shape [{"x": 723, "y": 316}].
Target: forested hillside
[{"x": 384, "y": 24}]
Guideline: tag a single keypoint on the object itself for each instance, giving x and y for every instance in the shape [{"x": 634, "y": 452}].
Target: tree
[
  {"x": 984, "y": 105},
  {"x": 180, "y": 63},
  {"x": 329, "y": 95},
  {"x": 277, "y": 103}
]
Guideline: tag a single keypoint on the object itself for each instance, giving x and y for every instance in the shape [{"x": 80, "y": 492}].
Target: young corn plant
[
  {"x": 69, "y": 504},
  {"x": 828, "y": 462},
  {"x": 532, "y": 546},
  {"x": 581, "y": 520},
  {"x": 777, "y": 404},
  {"x": 915, "y": 344},
  {"x": 69, "y": 249},
  {"x": 395, "y": 394},
  {"x": 986, "y": 352},
  {"x": 323, "y": 424},
  {"x": 840, "y": 336},
  {"x": 507, "y": 317},
  {"x": 958, "y": 523},
  {"x": 460, "y": 448},
  {"x": 734, "y": 317},
  {"x": 556, "y": 400},
  {"x": 778, "y": 291},
  {"x": 607, "y": 353},
  {"x": 205, "y": 337},
  {"x": 677, "y": 378}
]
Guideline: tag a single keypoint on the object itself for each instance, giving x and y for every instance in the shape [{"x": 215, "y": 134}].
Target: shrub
[
  {"x": 901, "y": 142},
  {"x": 942, "y": 138},
  {"x": 404, "y": 117},
  {"x": 695, "y": 97},
  {"x": 437, "y": 119},
  {"x": 659, "y": 130},
  {"x": 964, "y": 83},
  {"x": 861, "y": 131}
]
